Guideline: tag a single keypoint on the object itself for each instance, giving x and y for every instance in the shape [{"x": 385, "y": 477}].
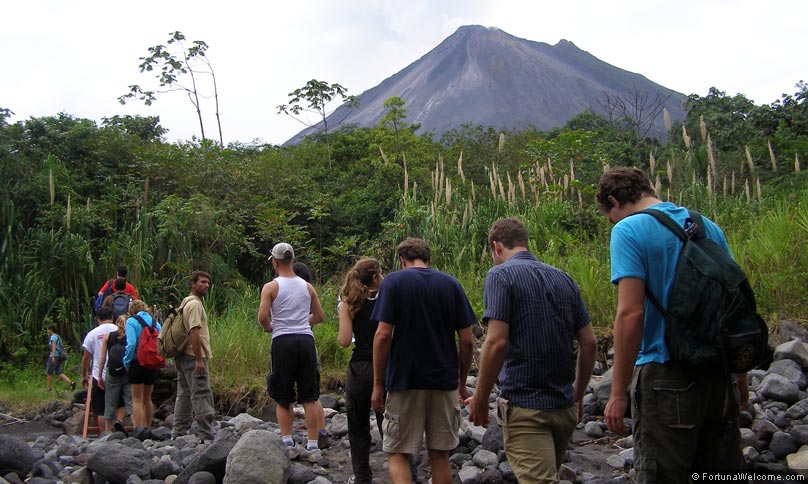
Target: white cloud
[{"x": 79, "y": 57}]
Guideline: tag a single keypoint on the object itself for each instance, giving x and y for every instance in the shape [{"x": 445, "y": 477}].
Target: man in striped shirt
[{"x": 534, "y": 313}]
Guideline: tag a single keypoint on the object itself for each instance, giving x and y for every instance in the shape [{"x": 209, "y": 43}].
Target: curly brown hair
[{"x": 625, "y": 185}]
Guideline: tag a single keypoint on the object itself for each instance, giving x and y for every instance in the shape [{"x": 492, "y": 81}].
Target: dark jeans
[
  {"x": 684, "y": 422},
  {"x": 358, "y": 390}
]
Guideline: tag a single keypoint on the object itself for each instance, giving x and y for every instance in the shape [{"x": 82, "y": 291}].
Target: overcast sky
[{"x": 79, "y": 57}]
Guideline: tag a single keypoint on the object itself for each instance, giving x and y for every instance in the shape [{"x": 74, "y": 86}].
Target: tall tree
[
  {"x": 191, "y": 63},
  {"x": 317, "y": 95}
]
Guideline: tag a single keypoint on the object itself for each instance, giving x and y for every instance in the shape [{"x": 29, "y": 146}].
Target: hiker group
[{"x": 680, "y": 355}]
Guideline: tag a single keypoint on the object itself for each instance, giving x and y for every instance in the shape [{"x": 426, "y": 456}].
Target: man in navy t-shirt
[{"x": 416, "y": 360}]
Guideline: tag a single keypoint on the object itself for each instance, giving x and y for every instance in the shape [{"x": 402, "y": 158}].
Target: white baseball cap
[{"x": 282, "y": 251}]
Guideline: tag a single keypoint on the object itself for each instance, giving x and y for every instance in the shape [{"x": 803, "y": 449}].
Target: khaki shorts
[{"x": 411, "y": 415}]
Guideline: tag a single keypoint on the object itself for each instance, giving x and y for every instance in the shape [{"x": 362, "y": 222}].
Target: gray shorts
[
  {"x": 117, "y": 394},
  {"x": 412, "y": 415}
]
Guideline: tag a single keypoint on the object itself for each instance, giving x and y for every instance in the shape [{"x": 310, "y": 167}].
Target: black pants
[{"x": 358, "y": 390}]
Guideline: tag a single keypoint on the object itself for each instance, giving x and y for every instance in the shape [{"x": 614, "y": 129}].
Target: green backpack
[{"x": 711, "y": 317}]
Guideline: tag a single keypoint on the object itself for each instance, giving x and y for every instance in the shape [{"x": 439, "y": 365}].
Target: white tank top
[{"x": 290, "y": 309}]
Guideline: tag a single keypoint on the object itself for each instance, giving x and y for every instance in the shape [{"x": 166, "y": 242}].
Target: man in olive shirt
[{"x": 194, "y": 397}]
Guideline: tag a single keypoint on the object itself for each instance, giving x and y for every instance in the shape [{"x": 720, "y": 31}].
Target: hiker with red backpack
[
  {"x": 141, "y": 361},
  {"x": 107, "y": 289}
]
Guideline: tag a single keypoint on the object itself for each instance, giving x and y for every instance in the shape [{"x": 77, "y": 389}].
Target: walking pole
[{"x": 88, "y": 400}]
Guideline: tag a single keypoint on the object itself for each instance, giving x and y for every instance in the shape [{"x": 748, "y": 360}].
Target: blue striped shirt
[{"x": 543, "y": 309}]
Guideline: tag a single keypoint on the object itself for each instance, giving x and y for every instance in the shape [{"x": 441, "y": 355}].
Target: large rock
[
  {"x": 800, "y": 434},
  {"x": 603, "y": 388},
  {"x": 492, "y": 439},
  {"x": 786, "y": 331},
  {"x": 798, "y": 462},
  {"x": 116, "y": 462},
  {"x": 339, "y": 425},
  {"x": 300, "y": 473},
  {"x": 783, "y": 444},
  {"x": 793, "y": 350},
  {"x": 780, "y": 388},
  {"x": 485, "y": 459},
  {"x": 213, "y": 459},
  {"x": 259, "y": 457},
  {"x": 469, "y": 475},
  {"x": 791, "y": 370},
  {"x": 15, "y": 456},
  {"x": 244, "y": 421}
]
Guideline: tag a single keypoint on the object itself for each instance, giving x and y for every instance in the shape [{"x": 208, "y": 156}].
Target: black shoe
[
  {"x": 118, "y": 426},
  {"x": 72, "y": 386}
]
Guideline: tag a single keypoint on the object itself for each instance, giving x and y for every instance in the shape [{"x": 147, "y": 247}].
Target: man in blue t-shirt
[
  {"x": 683, "y": 421},
  {"x": 416, "y": 359}
]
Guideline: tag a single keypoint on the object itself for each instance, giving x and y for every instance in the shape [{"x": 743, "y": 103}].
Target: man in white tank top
[{"x": 289, "y": 308}]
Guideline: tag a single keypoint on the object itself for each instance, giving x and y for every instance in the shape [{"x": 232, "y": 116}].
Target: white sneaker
[{"x": 313, "y": 455}]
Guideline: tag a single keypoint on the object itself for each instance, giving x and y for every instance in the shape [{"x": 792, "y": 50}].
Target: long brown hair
[
  {"x": 121, "y": 324},
  {"x": 356, "y": 288}
]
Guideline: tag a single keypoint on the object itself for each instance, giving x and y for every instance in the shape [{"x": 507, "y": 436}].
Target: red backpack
[{"x": 147, "y": 355}]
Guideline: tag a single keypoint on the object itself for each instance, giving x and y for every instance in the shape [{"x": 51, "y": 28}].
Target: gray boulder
[
  {"x": 259, "y": 457},
  {"x": 593, "y": 429},
  {"x": 492, "y": 439},
  {"x": 798, "y": 411},
  {"x": 793, "y": 350},
  {"x": 245, "y": 421},
  {"x": 164, "y": 468},
  {"x": 470, "y": 475},
  {"x": 603, "y": 388},
  {"x": 212, "y": 459},
  {"x": 116, "y": 462},
  {"x": 783, "y": 444},
  {"x": 791, "y": 370},
  {"x": 339, "y": 425},
  {"x": 485, "y": 459},
  {"x": 780, "y": 388},
  {"x": 202, "y": 477},
  {"x": 491, "y": 476},
  {"x": 329, "y": 401},
  {"x": 786, "y": 331},
  {"x": 300, "y": 474},
  {"x": 764, "y": 429},
  {"x": 800, "y": 434},
  {"x": 15, "y": 456}
]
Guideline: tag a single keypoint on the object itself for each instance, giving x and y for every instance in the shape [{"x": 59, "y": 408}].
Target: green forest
[{"x": 80, "y": 197}]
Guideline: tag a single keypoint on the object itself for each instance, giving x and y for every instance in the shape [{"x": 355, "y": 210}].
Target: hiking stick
[{"x": 88, "y": 400}]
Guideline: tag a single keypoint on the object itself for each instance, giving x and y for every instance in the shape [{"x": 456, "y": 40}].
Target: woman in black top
[{"x": 358, "y": 297}]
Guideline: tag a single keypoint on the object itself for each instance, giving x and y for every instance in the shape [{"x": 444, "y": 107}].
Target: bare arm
[
  {"x": 316, "y": 314},
  {"x": 268, "y": 294},
  {"x": 345, "y": 325},
  {"x": 381, "y": 352},
  {"x": 628, "y": 326},
  {"x": 102, "y": 360},
  {"x": 587, "y": 351},
  {"x": 491, "y": 360},
  {"x": 465, "y": 351},
  {"x": 86, "y": 358}
]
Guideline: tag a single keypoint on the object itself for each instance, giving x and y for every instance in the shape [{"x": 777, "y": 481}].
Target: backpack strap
[
  {"x": 693, "y": 229},
  {"x": 143, "y": 322}
]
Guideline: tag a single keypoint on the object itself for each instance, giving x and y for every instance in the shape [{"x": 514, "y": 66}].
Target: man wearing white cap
[{"x": 289, "y": 308}]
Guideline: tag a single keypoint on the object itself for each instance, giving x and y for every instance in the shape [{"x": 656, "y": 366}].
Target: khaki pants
[
  {"x": 535, "y": 440},
  {"x": 194, "y": 399}
]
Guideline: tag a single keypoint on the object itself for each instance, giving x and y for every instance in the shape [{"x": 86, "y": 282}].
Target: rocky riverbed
[{"x": 247, "y": 449}]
